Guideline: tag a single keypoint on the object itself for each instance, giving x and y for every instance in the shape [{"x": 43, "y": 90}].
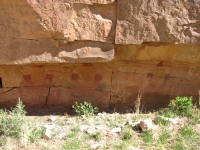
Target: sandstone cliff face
[
  {"x": 171, "y": 21},
  {"x": 53, "y": 53},
  {"x": 38, "y": 29}
]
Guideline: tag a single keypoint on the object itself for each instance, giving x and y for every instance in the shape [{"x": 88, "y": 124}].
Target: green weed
[
  {"x": 187, "y": 132},
  {"x": 166, "y": 112},
  {"x": 76, "y": 129},
  {"x": 164, "y": 137},
  {"x": 179, "y": 146},
  {"x": 15, "y": 124},
  {"x": 72, "y": 144},
  {"x": 127, "y": 135},
  {"x": 97, "y": 136},
  {"x": 181, "y": 106},
  {"x": 147, "y": 136},
  {"x": 36, "y": 134},
  {"x": 162, "y": 121},
  {"x": 195, "y": 117},
  {"x": 11, "y": 123},
  {"x": 84, "y": 108}
]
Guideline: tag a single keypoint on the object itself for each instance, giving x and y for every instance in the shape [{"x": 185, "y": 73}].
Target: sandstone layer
[
  {"x": 159, "y": 73},
  {"x": 107, "y": 52}
]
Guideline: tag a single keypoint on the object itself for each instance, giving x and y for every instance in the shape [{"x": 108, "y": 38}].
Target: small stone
[
  {"x": 52, "y": 118},
  {"x": 123, "y": 124},
  {"x": 116, "y": 130},
  {"x": 84, "y": 117},
  {"x": 47, "y": 126},
  {"x": 91, "y": 131},
  {"x": 147, "y": 124},
  {"x": 183, "y": 120},
  {"x": 62, "y": 136},
  {"x": 97, "y": 145},
  {"x": 83, "y": 127},
  {"x": 172, "y": 120},
  {"x": 47, "y": 134},
  {"x": 65, "y": 114},
  {"x": 133, "y": 148},
  {"x": 133, "y": 124},
  {"x": 99, "y": 128},
  {"x": 105, "y": 132},
  {"x": 102, "y": 115},
  {"x": 129, "y": 123},
  {"x": 197, "y": 128},
  {"x": 170, "y": 128}
]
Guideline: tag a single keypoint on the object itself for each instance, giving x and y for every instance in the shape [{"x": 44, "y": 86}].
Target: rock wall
[{"x": 53, "y": 53}]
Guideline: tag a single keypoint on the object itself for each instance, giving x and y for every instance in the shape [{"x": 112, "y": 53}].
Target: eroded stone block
[{"x": 173, "y": 21}]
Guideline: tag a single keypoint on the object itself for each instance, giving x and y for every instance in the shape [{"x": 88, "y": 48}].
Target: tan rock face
[
  {"x": 84, "y": 30},
  {"x": 102, "y": 51},
  {"x": 171, "y": 21},
  {"x": 94, "y": 1},
  {"x": 36, "y": 31},
  {"x": 76, "y": 20}
]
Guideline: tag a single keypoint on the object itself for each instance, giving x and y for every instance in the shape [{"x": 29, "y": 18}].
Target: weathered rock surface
[
  {"x": 74, "y": 53},
  {"x": 76, "y": 21},
  {"x": 39, "y": 30},
  {"x": 171, "y": 21},
  {"x": 101, "y": 51},
  {"x": 36, "y": 31},
  {"x": 94, "y": 1}
]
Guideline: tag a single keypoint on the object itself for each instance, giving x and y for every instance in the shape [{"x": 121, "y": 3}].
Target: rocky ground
[{"x": 126, "y": 131}]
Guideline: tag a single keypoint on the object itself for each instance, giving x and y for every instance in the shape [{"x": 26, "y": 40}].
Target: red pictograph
[
  {"x": 150, "y": 76},
  {"x": 39, "y": 88},
  {"x": 87, "y": 91}
]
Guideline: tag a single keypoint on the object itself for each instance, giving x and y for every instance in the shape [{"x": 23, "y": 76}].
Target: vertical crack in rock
[
  {"x": 115, "y": 25},
  {"x": 49, "y": 90},
  {"x": 111, "y": 84}
]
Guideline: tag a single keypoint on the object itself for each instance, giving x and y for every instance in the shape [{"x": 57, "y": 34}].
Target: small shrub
[
  {"x": 11, "y": 123},
  {"x": 127, "y": 135},
  {"x": 36, "y": 134},
  {"x": 84, "y": 108},
  {"x": 15, "y": 124},
  {"x": 181, "y": 106}
]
